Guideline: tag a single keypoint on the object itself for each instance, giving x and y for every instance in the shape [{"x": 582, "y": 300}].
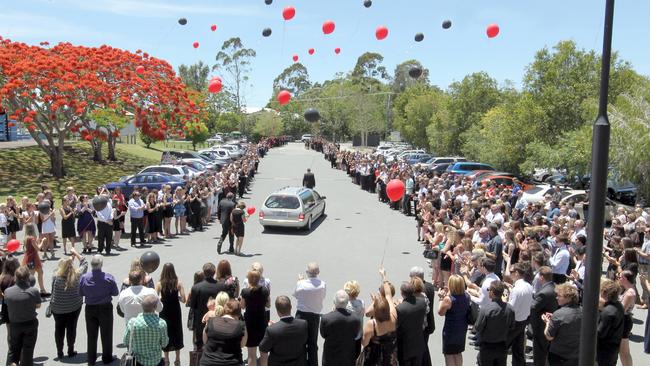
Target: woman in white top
[
  {"x": 48, "y": 230},
  {"x": 357, "y": 308}
]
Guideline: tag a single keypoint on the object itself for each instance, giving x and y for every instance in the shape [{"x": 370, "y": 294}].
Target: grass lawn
[{"x": 23, "y": 170}]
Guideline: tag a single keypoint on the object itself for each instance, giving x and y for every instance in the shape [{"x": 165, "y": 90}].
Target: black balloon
[
  {"x": 415, "y": 72},
  {"x": 268, "y": 2},
  {"x": 44, "y": 207},
  {"x": 312, "y": 115},
  {"x": 267, "y": 32},
  {"x": 367, "y": 3},
  {"x": 182, "y": 21},
  {"x": 446, "y": 24},
  {"x": 419, "y": 37},
  {"x": 100, "y": 202},
  {"x": 150, "y": 261}
]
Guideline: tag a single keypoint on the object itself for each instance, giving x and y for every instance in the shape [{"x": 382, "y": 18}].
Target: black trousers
[
  {"x": 198, "y": 335},
  {"x": 99, "y": 321},
  {"x": 540, "y": 347},
  {"x": 406, "y": 204},
  {"x": 22, "y": 341},
  {"x": 225, "y": 230},
  {"x": 556, "y": 360},
  {"x": 313, "y": 323},
  {"x": 516, "y": 342},
  {"x": 161, "y": 363},
  {"x": 492, "y": 354},
  {"x": 413, "y": 361},
  {"x": 137, "y": 224},
  {"x": 606, "y": 356},
  {"x": 426, "y": 357},
  {"x": 104, "y": 236},
  {"x": 65, "y": 325}
]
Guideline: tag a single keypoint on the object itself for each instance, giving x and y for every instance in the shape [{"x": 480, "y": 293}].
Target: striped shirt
[
  {"x": 149, "y": 338},
  {"x": 67, "y": 300}
]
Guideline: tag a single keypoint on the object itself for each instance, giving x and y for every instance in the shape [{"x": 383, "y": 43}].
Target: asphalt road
[{"x": 350, "y": 243}]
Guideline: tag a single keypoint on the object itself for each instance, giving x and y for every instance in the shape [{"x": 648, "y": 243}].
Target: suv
[
  {"x": 466, "y": 167},
  {"x": 297, "y": 207},
  {"x": 178, "y": 171}
]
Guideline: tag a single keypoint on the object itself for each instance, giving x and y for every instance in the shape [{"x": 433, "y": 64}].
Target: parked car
[
  {"x": 417, "y": 158},
  {"x": 440, "y": 160},
  {"x": 297, "y": 207},
  {"x": 178, "y": 171},
  {"x": 578, "y": 197},
  {"x": 200, "y": 165},
  {"x": 235, "y": 152},
  {"x": 466, "y": 167},
  {"x": 219, "y": 151},
  {"x": 149, "y": 180},
  {"x": 505, "y": 180},
  {"x": 211, "y": 158},
  {"x": 306, "y": 137},
  {"x": 537, "y": 193},
  {"x": 439, "y": 168},
  {"x": 381, "y": 149}
]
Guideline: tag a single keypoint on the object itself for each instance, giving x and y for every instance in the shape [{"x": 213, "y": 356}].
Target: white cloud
[
  {"x": 155, "y": 9},
  {"x": 23, "y": 26}
]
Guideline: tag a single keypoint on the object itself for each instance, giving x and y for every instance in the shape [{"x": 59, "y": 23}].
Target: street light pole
[{"x": 598, "y": 191}]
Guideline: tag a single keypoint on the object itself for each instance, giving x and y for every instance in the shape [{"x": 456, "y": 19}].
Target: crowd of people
[
  {"x": 505, "y": 271},
  {"x": 487, "y": 247}
]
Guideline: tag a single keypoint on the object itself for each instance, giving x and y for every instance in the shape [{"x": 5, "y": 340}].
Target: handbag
[
  {"x": 128, "y": 358},
  {"x": 48, "y": 311},
  {"x": 431, "y": 253}
]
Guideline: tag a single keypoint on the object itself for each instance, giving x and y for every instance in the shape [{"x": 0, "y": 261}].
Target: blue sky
[{"x": 151, "y": 25}]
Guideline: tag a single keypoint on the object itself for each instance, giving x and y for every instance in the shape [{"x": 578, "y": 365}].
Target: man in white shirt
[
  {"x": 579, "y": 230},
  {"x": 482, "y": 298},
  {"x": 310, "y": 293},
  {"x": 104, "y": 222},
  {"x": 521, "y": 299},
  {"x": 130, "y": 299},
  {"x": 560, "y": 260}
]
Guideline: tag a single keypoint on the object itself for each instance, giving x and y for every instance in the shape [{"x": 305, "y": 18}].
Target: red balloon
[
  {"x": 13, "y": 245},
  {"x": 215, "y": 86},
  {"x": 284, "y": 97},
  {"x": 311, "y": 51},
  {"x": 395, "y": 190},
  {"x": 250, "y": 210},
  {"x": 11, "y": 124},
  {"x": 32, "y": 128},
  {"x": 195, "y": 45},
  {"x": 139, "y": 70},
  {"x": 381, "y": 32},
  {"x": 328, "y": 27},
  {"x": 295, "y": 58},
  {"x": 213, "y": 27},
  {"x": 337, "y": 50},
  {"x": 492, "y": 30},
  {"x": 288, "y": 13}
]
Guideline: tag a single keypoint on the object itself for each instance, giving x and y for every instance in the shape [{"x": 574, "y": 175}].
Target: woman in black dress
[
  {"x": 254, "y": 300},
  {"x": 224, "y": 336},
  {"x": 152, "y": 218},
  {"x": 13, "y": 217},
  {"x": 238, "y": 218},
  {"x": 67, "y": 224},
  {"x": 171, "y": 294}
]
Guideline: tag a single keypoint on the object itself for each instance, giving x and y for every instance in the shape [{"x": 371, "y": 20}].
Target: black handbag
[
  {"x": 431, "y": 253},
  {"x": 128, "y": 358}
]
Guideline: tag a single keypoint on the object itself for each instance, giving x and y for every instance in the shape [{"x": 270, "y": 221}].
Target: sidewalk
[{"x": 6, "y": 145}]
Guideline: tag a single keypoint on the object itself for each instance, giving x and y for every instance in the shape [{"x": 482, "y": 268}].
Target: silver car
[{"x": 297, "y": 207}]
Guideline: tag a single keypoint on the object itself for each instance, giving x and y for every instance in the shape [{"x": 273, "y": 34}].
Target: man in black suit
[
  {"x": 286, "y": 340},
  {"x": 495, "y": 320},
  {"x": 410, "y": 315},
  {"x": 226, "y": 205},
  {"x": 339, "y": 329},
  {"x": 308, "y": 179},
  {"x": 199, "y": 296},
  {"x": 430, "y": 293},
  {"x": 544, "y": 301}
]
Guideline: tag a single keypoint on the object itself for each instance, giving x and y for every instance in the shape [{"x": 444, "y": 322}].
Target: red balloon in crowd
[
  {"x": 288, "y": 13},
  {"x": 492, "y": 30},
  {"x": 381, "y": 32},
  {"x": 250, "y": 210},
  {"x": 337, "y": 50},
  {"x": 213, "y": 27},
  {"x": 215, "y": 86},
  {"x": 13, "y": 245},
  {"x": 395, "y": 190},
  {"x": 139, "y": 70},
  {"x": 284, "y": 97},
  {"x": 195, "y": 45},
  {"x": 328, "y": 27},
  {"x": 311, "y": 51}
]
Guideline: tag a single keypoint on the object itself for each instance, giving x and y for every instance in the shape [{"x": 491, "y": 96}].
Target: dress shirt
[
  {"x": 149, "y": 338},
  {"x": 134, "y": 210},
  {"x": 645, "y": 248},
  {"x": 130, "y": 300},
  {"x": 484, "y": 298},
  {"x": 521, "y": 298},
  {"x": 98, "y": 287},
  {"x": 105, "y": 215},
  {"x": 310, "y": 294},
  {"x": 560, "y": 260}
]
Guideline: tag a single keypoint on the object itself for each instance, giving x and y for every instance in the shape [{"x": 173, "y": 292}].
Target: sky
[{"x": 152, "y": 25}]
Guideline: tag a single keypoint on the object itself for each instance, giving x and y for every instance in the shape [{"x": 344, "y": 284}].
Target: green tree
[
  {"x": 402, "y": 80},
  {"x": 197, "y": 132},
  {"x": 227, "y": 122},
  {"x": 414, "y": 110},
  {"x": 234, "y": 63},
  {"x": 294, "y": 79},
  {"x": 195, "y": 76},
  {"x": 369, "y": 71},
  {"x": 267, "y": 124},
  {"x": 113, "y": 120},
  {"x": 469, "y": 100},
  {"x": 146, "y": 140}
]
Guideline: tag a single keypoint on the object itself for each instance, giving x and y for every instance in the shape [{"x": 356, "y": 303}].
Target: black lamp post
[{"x": 599, "y": 162}]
